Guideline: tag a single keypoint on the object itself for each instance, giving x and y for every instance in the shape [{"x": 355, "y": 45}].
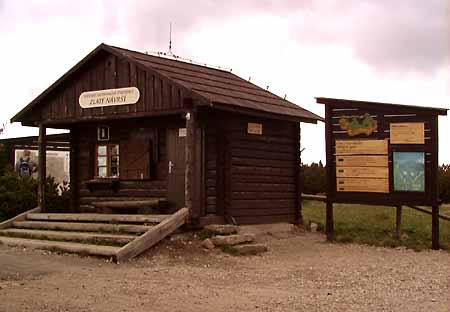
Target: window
[{"x": 107, "y": 163}]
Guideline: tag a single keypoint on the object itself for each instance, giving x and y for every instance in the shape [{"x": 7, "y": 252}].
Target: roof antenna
[{"x": 170, "y": 38}]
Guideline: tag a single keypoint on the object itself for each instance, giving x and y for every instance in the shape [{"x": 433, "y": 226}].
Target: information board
[
  {"x": 407, "y": 133},
  {"x": 365, "y": 147}
]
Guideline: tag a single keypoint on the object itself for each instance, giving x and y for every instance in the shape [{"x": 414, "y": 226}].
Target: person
[{"x": 25, "y": 167}]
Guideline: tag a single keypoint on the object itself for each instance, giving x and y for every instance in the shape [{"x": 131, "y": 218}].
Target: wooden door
[{"x": 176, "y": 168}]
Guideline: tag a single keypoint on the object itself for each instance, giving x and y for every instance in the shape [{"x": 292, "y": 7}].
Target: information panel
[
  {"x": 407, "y": 133},
  {"x": 362, "y": 161},
  {"x": 367, "y": 147},
  {"x": 362, "y": 185}
]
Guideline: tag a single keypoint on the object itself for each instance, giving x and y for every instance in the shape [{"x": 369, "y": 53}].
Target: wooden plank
[
  {"x": 21, "y": 217},
  {"x": 42, "y": 169},
  {"x": 262, "y": 203},
  {"x": 362, "y": 185},
  {"x": 87, "y": 227},
  {"x": 153, "y": 236},
  {"x": 362, "y": 172},
  {"x": 263, "y": 195},
  {"x": 126, "y": 203},
  {"x": 94, "y": 250},
  {"x": 85, "y": 237},
  {"x": 353, "y": 147},
  {"x": 314, "y": 197},
  {"x": 97, "y": 217},
  {"x": 407, "y": 133},
  {"x": 362, "y": 161}
]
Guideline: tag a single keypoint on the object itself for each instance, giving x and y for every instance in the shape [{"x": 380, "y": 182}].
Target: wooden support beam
[
  {"x": 329, "y": 224},
  {"x": 73, "y": 167},
  {"x": 398, "y": 222},
  {"x": 435, "y": 227},
  {"x": 298, "y": 177},
  {"x": 193, "y": 162},
  {"x": 42, "y": 166}
]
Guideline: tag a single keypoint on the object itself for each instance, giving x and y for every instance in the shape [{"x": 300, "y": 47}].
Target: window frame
[{"x": 109, "y": 154}]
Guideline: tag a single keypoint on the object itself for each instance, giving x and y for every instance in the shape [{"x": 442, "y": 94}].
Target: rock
[
  {"x": 208, "y": 244},
  {"x": 232, "y": 239},
  {"x": 313, "y": 227},
  {"x": 222, "y": 229},
  {"x": 249, "y": 249}
]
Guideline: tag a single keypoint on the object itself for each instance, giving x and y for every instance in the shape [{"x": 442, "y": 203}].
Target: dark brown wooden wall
[
  {"x": 384, "y": 116},
  {"x": 107, "y": 71},
  {"x": 251, "y": 178}
]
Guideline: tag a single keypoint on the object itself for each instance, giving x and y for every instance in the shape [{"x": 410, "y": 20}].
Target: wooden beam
[
  {"x": 193, "y": 165},
  {"x": 398, "y": 222},
  {"x": 42, "y": 166},
  {"x": 73, "y": 168},
  {"x": 329, "y": 222},
  {"x": 153, "y": 236}
]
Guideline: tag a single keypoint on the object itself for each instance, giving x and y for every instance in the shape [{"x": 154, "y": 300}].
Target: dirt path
[{"x": 299, "y": 273}]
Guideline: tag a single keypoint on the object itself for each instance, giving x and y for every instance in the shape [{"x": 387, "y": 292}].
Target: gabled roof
[{"x": 216, "y": 88}]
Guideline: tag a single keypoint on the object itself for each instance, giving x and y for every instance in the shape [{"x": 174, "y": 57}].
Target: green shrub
[
  {"x": 444, "y": 183},
  {"x": 314, "y": 178}
]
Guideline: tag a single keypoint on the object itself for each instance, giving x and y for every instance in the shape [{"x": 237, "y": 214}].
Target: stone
[
  {"x": 222, "y": 229},
  {"x": 249, "y": 249},
  {"x": 232, "y": 239},
  {"x": 208, "y": 244},
  {"x": 313, "y": 226}
]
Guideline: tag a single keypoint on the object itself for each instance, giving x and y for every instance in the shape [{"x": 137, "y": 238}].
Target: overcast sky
[{"x": 392, "y": 51}]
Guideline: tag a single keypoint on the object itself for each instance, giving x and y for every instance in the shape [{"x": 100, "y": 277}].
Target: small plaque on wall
[
  {"x": 407, "y": 133},
  {"x": 362, "y": 172},
  {"x": 362, "y": 161},
  {"x": 182, "y": 132},
  {"x": 254, "y": 128}
]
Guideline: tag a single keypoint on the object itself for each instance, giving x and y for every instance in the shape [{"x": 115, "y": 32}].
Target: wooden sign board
[
  {"x": 362, "y": 172},
  {"x": 368, "y": 185},
  {"x": 109, "y": 97},
  {"x": 362, "y": 161},
  {"x": 407, "y": 133},
  {"x": 367, "y": 147},
  {"x": 254, "y": 128}
]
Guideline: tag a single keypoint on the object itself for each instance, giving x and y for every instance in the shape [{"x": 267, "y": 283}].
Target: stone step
[
  {"x": 248, "y": 249},
  {"x": 85, "y": 249},
  {"x": 85, "y": 237},
  {"x": 230, "y": 240},
  {"x": 222, "y": 229},
  {"x": 85, "y": 227},
  {"x": 97, "y": 217}
]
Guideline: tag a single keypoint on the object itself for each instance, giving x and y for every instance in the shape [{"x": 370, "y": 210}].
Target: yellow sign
[
  {"x": 367, "y": 147},
  {"x": 254, "y": 128},
  {"x": 362, "y": 172},
  {"x": 359, "y": 125},
  {"x": 109, "y": 97},
  {"x": 361, "y": 161},
  {"x": 407, "y": 133},
  {"x": 362, "y": 185}
]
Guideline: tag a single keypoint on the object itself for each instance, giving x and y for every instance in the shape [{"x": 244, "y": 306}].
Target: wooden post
[
  {"x": 435, "y": 227},
  {"x": 42, "y": 167},
  {"x": 192, "y": 194},
  {"x": 329, "y": 226},
  {"x": 299, "y": 177},
  {"x": 398, "y": 222},
  {"x": 74, "y": 150}
]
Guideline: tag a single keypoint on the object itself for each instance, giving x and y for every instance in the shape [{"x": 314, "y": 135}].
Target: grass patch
[{"x": 375, "y": 225}]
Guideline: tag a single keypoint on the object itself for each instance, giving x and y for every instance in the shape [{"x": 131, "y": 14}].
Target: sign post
[{"x": 381, "y": 154}]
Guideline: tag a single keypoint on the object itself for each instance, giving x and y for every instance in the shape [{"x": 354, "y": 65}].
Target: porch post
[
  {"x": 42, "y": 141},
  {"x": 74, "y": 149},
  {"x": 192, "y": 179}
]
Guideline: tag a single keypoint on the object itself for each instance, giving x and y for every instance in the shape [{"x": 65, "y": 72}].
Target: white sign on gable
[{"x": 109, "y": 97}]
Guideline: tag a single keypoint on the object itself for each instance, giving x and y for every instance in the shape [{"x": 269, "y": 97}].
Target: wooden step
[
  {"x": 88, "y": 237},
  {"x": 97, "y": 217},
  {"x": 126, "y": 204},
  {"x": 95, "y": 250},
  {"x": 86, "y": 227}
]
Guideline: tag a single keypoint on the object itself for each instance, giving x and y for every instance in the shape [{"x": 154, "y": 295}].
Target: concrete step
[
  {"x": 96, "y": 217},
  {"x": 85, "y": 237},
  {"x": 95, "y": 250},
  {"x": 85, "y": 227}
]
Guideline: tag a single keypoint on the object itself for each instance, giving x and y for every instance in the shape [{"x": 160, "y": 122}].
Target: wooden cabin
[{"x": 149, "y": 129}]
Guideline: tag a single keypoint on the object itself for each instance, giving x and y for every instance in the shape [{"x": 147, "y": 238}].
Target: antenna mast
[{"x": 170, "y": 38}]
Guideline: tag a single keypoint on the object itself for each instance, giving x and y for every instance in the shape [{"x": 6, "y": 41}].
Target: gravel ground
[{"x": 299, "y": 273}]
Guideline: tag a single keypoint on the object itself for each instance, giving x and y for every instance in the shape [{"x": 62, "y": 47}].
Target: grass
[{"x": 375, "y": 225}]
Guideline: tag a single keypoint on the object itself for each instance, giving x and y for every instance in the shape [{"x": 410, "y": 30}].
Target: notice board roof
[{"x": 380, "y": 105}]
